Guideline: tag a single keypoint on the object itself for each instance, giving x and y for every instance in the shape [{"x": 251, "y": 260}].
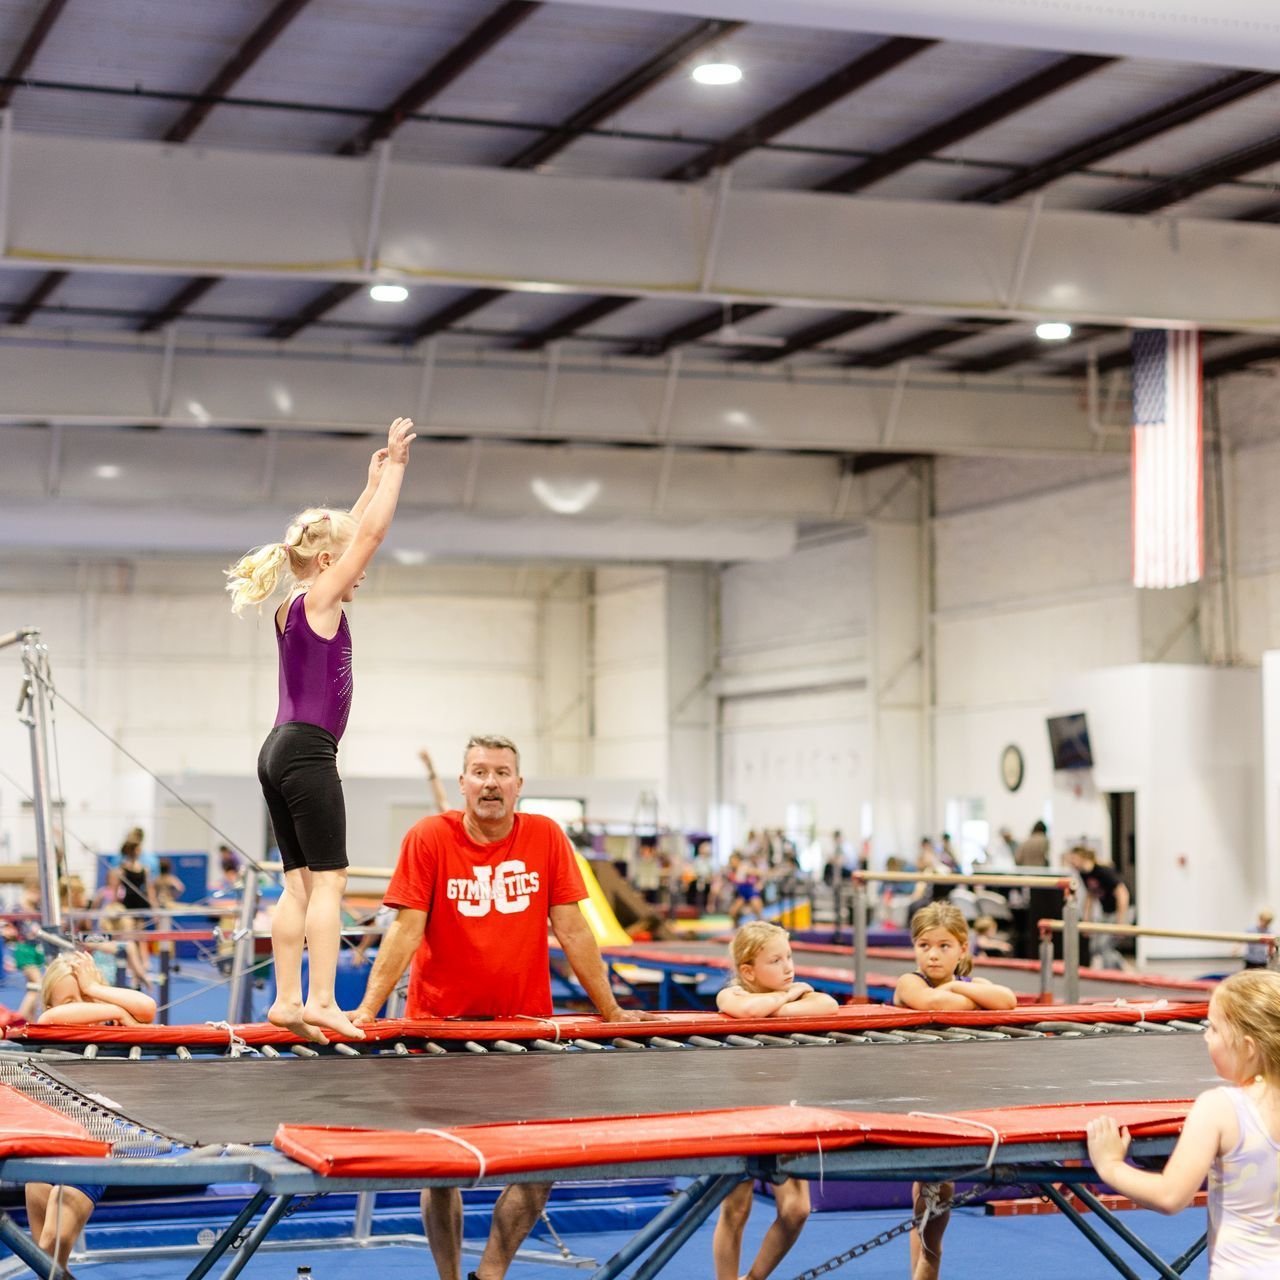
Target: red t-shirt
[{"x": 484, "y": 952}]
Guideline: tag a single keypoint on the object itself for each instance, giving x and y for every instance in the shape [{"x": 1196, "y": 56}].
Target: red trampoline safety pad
[
  {"x": 29, "y": 1128},
  {"x": 475, "y": 1151},
  {"x": 848, "y": 1018}
]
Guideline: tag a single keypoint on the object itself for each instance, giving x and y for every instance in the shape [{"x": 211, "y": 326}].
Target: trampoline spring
[
  {"x": 1114, "y": 1029},
  {"x": 742, "y": 1042},
  {"x": 705, "y": 1042},
  {"x": 953, "y": 1035},
  {"x": 920, "y": 1037},
  {"x": 90, "y": 1051},
  {"x": 1066, "y": 1030},
  {"x": 771, "y": 1041},
  {"x": 303, "y": 1051},
  {"x": 885, "y": 1037},
  {"x": 591, "y": 1046},
  {"x": 270, "y": 1051},
  {"x": 620, "y": 1042},
  {"x": 550, "y": 1046},
  {"x": 1178, "y": 1025},
  {"x": 845, "y": 1037},
  {"x": 1155, "y": 1028},
  {"x": 1020, "y": 1033},
  {"x": 474, "y": 1046},
  {"x": 509, "y": 1046},
  {"x": 346, "y": 1050},
  {"x": 184, "y": 1054},
  {"x": 662, "y": 1042},
  {"x": 436, "y": 1049},
  {"x": 400, "y": 1049},
  {"x": 135, "y": 1052},
  {"x": 801, "y": 1037}
]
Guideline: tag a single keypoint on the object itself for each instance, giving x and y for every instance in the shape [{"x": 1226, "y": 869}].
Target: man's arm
[
  {"x": 398, "y": 945},
  {"x": 579, "y": 945}
]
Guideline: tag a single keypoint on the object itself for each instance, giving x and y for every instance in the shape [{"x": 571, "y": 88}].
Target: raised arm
[
  {"x": 371, "y": 485},
  {"x": 375, "y": 520},
  {"x": 433, "y": 781},
  {"x": 398, "y": 945}
]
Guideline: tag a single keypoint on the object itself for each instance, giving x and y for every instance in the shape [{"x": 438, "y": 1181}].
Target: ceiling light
[
  {"x": 565, "y": 497},
  {"x": 388, "y": 293},
  {"x": 199, "y": 412},
  {"x": 1053, "y": 331},
  {"x": 282, "y": 399},
  {"x": 108, "y": 471},
  {"x": 717, "y": 73}
]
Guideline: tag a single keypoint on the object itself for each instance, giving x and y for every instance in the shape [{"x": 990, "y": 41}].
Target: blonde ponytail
[{"x": 255, "y": 576}]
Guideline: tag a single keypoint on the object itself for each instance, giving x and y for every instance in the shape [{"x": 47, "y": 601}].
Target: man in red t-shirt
[{"x": 475, "y": 891}]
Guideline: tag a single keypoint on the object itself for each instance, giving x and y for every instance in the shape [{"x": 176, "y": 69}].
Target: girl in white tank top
[{"x": 1231, "y": 1135}]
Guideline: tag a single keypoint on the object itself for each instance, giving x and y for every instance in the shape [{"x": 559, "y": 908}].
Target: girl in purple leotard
[{"x": 323, "y": 556}]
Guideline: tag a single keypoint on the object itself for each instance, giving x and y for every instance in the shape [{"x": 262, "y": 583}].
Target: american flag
[{"x": 1168, "y": 471}]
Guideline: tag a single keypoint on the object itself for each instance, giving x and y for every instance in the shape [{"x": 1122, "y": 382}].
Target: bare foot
[
  {"x": 331, "y": 1018},
  {"x": 289, "y": 1017}
]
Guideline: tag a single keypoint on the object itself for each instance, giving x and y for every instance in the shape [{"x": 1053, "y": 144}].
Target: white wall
[
  {"x": 1189, "y": 742},
  {"x": 793, "y": 685}
]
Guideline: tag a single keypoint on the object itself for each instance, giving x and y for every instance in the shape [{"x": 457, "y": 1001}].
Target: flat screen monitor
[{"x": 1069, "y": 742}]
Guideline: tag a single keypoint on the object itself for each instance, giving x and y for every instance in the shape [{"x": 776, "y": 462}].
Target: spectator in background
[
  {"x": 947, "y": 854},
  {"x": 1034, "y": 850},
  {"x": 1255, "y": 954},
  {"x": 1106, "y": 902}
]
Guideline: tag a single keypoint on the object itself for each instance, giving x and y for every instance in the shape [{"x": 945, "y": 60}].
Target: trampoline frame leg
[
  {"x": 682, "y": 1203},
  {"x": 1077, "y": 1220},
  {"x": 257, "y": 1236},
  {"x": 1134, "y": 1241},
  {"x": 223, "y": 1242},
  {"x": 1183, "y": 1261},
  {"x": 23, "y": 1247},
  {"x": 680, "y": 1234}
]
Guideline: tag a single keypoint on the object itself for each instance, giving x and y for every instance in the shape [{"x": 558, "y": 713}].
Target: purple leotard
[{"x": 315, "y": 673}]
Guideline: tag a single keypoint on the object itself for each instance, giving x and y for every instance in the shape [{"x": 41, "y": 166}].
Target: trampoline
[{"x": 1006, "y": 1102}]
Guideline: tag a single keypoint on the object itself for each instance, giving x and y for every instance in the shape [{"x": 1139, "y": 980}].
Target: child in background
[
  {"x": 323, "y": 556},
  {"x": 987, "y": 938},
  {"x": 74, "y": 994},
  {"x": 943, "y": 981},
  {"x": 28, "y": 954},
  {"x": 765, "y": 988},
  {"x": 1255, "y": 954},
  {"x": 1231, "y": 1134}
]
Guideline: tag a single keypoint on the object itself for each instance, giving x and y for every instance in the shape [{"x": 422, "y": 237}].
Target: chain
[
  {"x": 892, "y": 1233},
  {"x": 301, "y": 1202}
]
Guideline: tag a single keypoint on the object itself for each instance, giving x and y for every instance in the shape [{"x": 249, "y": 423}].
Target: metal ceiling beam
[
  {"x": 22, "y": 60},
  {"x": 32, "y": 302},
  {"x": 612, "y": 100},
  {"x": 622, "y": 93},
  {"x": 1023, "y": 351},
  {"x": 314, "y": 309},
  {"x": 26, "y": 55},
  {"x": 919, "y": 345},
  {"x": 699, "y": 327},
  {"x": 818, "y": 97},
  {"x": 441, "y": 74},
  {"x": 258, "y": 42},
  {"x": 1233, "y": 361},
  {"x": 187, "y": 296},
  {"x": 449, "y": 315},
  {"x": 982, "y": 115},
  {"x": 438, "y": 77},
  {"x": 1182, "y": 186},
  {"x": 1170, "y": 115},
  {"x": 814, "y": 335}
]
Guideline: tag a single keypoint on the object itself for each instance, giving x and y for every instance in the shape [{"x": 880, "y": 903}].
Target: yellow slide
[{"x": 599, "y": 914}]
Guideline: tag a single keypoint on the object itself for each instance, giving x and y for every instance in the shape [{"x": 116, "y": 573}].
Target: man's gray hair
[{"x": 491, "y": 742}]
